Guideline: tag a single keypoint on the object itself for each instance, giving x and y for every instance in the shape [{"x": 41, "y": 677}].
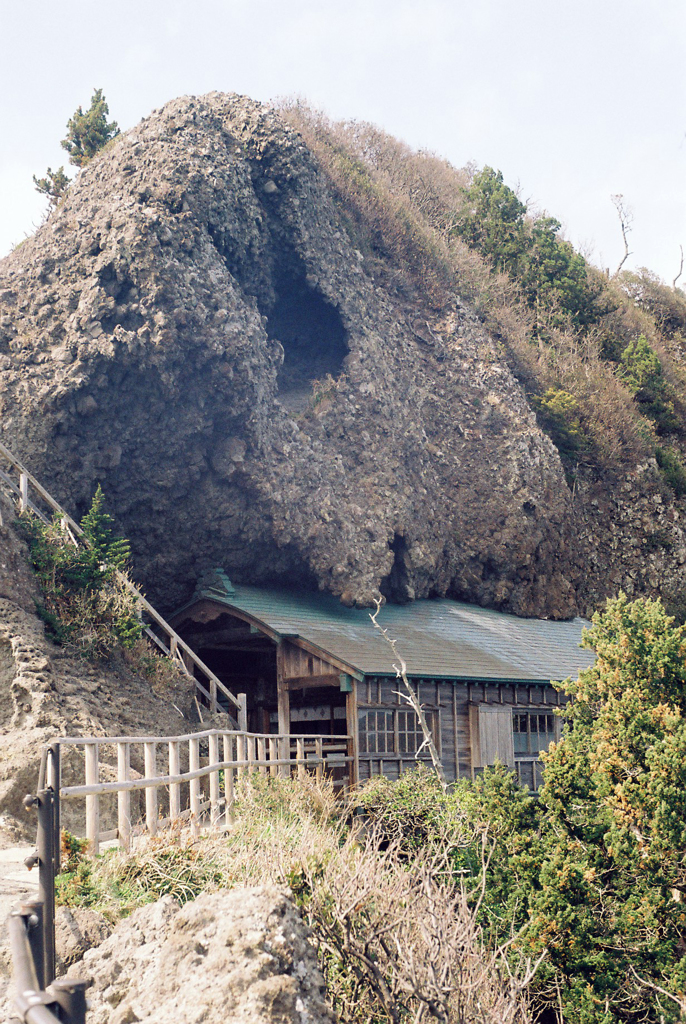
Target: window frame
[{"x": 400, "y": 736}]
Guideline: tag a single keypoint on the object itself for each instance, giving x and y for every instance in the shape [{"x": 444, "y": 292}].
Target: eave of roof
[{"x": 438, "y": 639}]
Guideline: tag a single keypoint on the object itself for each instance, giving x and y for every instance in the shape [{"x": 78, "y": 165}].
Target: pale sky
[{"x": 572, "y": 101}]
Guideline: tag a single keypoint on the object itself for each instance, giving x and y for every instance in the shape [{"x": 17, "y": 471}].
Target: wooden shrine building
[{"x": 308, "y": 664}]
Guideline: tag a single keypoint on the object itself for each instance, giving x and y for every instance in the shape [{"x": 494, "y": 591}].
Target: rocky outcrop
[
  {"x": 161, "y": 334},
  {"x": 46, "y": 692},
  {"x": 237, "y": 957}
]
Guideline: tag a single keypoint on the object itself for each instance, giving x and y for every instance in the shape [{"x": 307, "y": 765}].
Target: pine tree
[
  {"x": 54, "y": 185},
  {"x": 88, "y": 132}
]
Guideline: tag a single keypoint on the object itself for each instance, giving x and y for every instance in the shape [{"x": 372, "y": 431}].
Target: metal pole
[
  {"x": 70, "y": 996},
  {"x": 45, "y": 841}
]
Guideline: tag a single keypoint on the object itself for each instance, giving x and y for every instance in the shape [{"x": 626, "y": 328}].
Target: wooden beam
[
  {"x": 308, "y": 682},
  {"x": 283, "y": 701}
]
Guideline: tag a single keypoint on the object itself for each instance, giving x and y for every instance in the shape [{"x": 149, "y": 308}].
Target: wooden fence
[
  {"x": 173, "y": 772},
  {"x": 31, "y": 496}
]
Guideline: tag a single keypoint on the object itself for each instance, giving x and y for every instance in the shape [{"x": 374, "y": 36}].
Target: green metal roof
[{"x": 436, "y": 638}]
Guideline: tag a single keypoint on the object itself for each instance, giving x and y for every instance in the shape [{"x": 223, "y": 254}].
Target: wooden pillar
[
  {"x": 351, "y": 729},
  {"x": 92, "y": 800},
  {"x": 150, "y": 761},
  {"x": 229, "y": 816},
  {"x": 175, "y": 787},
  {"x": 213, "y": 742},
  {"x": 124, "y": 797},
  {"x": 193, "y": 766},
  {"x": 283, "y": 706}
]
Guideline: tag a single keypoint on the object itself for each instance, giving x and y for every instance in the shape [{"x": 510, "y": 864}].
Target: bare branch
[
  {"x": 411, "y": 697},
  {"x": 681, "y": 267},
  {"x": 626, "y": 220}
]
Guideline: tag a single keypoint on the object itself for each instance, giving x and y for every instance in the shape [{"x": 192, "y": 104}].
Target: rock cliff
[
  {"x": 194, "y": 329},
  {"x": 231, "y": 956}
]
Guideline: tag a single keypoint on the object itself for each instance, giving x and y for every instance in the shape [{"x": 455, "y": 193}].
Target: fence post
[
  {"x": 150, "y": 759},
  {"x": 250, "y": 744},
  {"x": 300, "y": 757},
  {"x": 273, "y": 755},
  {"x": 174, "y": 787},
  {"x": 213, "y": 743},
  {"x": 242, "y": 712},
  {"x": 124, "y": 797},
  {"x": 262, "y": 754},
  {"x": 23, "y": 492},
  {"x": 319, "y": 770},
  {"x": 92, "y": 800},
  {"x": 193, "y": 765},
  {"x": 285, "y": 756},
  {"x": 241, "y": 745},
  {"x": 229, "y": 817}
]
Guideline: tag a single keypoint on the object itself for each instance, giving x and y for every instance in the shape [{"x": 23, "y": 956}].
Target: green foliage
[
  {"x": 54, "y": 185},
  {"x": 672, "y": 469},
  {"x": 610, "y": 895},
  {"x": 86, "y": 604},
  {"x": 548, "y": 270},
  {"x": 558, "y": 413},
  {"x": 643, "y": 374},
  {"x": 88, "y": 132},
  {"x": 493, "y": 221}
]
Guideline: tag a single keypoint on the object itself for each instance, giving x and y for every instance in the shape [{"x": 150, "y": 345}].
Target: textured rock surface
[
  {"x": 229, "y": 957},
  {"x": 45, "y": 692},
  {"x": 142, "y": 337},
  {"x": 77, "y": 930},
  {"x": 160, "y": 334}
]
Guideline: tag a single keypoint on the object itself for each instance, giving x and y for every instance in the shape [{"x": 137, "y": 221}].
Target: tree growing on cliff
[
  {"x": 88, "y": 132},
  {"x": 54, "y": 185}
]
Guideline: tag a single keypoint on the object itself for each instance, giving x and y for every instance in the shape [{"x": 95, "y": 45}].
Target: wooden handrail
[
  {"x": 175, "y": 647},
  {"x": 241, "y": 753}
]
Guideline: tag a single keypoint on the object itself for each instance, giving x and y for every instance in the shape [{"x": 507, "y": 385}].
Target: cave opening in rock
[
  {"x": 312, "y": 334},
  {"x": 395, "y": 586}
]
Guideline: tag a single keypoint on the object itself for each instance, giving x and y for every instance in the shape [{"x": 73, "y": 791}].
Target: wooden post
[
  {"x": 241, "y": 753},
  {"x": 300, "y": 757},
  {"x": 229, "y": 816},
  {"x": 351, "y": 729},
  {"x": 150, "y": 762},
  {"x": 124, "y": 797},
  {"x": 250, "y": 744},
  {"x": 92, "y": 801},
  {"x": 262, "y": 754},
  {"x": 319, "y": 770},
  {"x": 214, "y": 703},
  {"x": 284, "y": 710},
  {"x": 243, "y": 712},
  {"x": 175, "y": 787},
  {"x": 213, "y": 742},
  {"x": 285, "y": 756},
  {"x": 23, "y": 492},
  {"x": 193, "y": 765},
  {"x": 273, "y": 755}
]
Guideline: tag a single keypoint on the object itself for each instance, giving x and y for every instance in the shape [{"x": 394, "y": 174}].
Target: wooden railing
[
  {"x": 174, "y": 768},
  {"x": 31, "y": 496}
]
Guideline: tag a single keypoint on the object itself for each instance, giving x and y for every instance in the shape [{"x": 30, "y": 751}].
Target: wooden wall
[{"x": 450, "y": 702}]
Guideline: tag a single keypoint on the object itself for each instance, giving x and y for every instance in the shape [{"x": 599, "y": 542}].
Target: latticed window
[
  {"x": 389, "y": 731},
  {"x": 533, "y": 731},
  {"x": 377, "y": 732}
]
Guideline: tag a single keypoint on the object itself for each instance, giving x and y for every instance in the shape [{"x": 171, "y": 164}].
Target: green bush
[
  {"x": 558, "y": 415},
  {"x": 672, "y": 469},
  {"x": 86, "y": 603}
]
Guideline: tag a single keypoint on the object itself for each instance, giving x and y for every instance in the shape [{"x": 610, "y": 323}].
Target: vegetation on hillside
[
  {"x": 481, "y": 903},
  {"x": 86, "y": 603},
  {"x": 88, "y": 132},
  {"x": 600, "y": 358}
]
